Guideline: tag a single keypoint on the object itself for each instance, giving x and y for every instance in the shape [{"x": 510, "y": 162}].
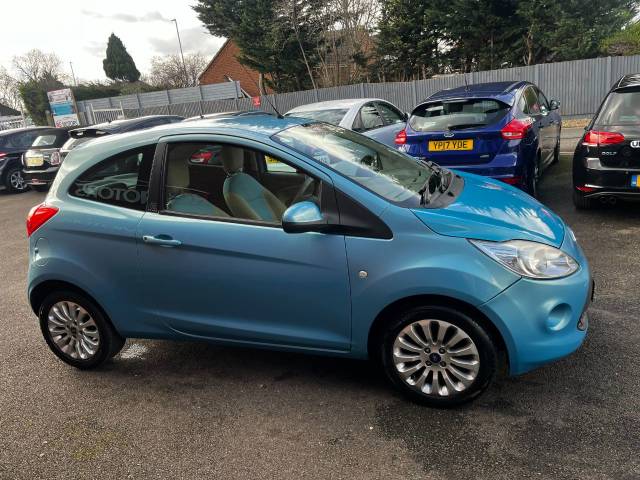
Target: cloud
[
  {"x": 95, "y": 48},
  {"x": 194, "y": 39},
  {"x": 128, "y": 18}
]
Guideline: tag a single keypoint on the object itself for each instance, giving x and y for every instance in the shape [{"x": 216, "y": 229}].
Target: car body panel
[{"x": 98, "y": 247}]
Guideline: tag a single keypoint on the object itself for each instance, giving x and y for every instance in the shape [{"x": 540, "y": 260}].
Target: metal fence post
[
  {"x": 536, "y": 74},
  {"x": 414, "y": 93},
  {"x": 609, "y": 73},
  {"x": 315, "y": 94},
  {"x": 362, "y": 90}
]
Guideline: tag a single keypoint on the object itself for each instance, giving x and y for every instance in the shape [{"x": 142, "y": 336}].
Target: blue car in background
[
  {"x": 290, "y": 234},
  {"x": 509, "y": 131}
]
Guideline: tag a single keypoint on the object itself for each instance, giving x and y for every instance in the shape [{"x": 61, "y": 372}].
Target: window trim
[{"x": 156, "y": 196}]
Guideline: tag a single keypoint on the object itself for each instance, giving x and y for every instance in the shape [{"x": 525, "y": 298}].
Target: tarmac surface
[{"x": 193, "y": 410}]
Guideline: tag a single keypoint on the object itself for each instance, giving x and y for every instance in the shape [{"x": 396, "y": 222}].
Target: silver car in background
[{"x": 373, "y": 117}]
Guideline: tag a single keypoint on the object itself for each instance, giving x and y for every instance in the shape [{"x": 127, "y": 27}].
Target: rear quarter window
[
  {"x": 457, "y": 115},
  {"x": 121, "y": 180}
]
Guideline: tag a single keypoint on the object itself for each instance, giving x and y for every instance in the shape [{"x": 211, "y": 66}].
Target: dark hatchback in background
[
  {"x": 506, "y": 130},
  {"x": 42, "y": 160},
  {"x": 606, "y": 163},
  {"x": 13, "y": 143},
  {"x": 81, "y": 135}
]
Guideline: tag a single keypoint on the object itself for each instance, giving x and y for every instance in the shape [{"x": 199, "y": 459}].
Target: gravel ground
[{"x": 190, "y": 410}]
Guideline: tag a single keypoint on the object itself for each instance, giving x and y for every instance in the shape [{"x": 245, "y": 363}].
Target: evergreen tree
[{"x": 118, "y": 64}]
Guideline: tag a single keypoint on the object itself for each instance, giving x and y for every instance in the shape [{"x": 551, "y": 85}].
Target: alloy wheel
[
  {"x": 73, "y": 330},
  {"x": 436, "y": 357},
  {"x": 16, "y": 180}
]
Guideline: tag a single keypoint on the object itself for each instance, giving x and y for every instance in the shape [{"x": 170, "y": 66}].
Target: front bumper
[
  {"x": 543, "y": 320},
  {"x": 40, "y": 177}
]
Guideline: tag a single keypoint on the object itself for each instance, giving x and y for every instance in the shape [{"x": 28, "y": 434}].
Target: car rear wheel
[
  {"x": 533, "y": 177},
  {"x": 556, "y": 152},
  {"x": 581, "y": 202},
  {"x": 77, "y": 331},
  {"x": 14, "y": 181},
  {"x": 438, "y": 356}
]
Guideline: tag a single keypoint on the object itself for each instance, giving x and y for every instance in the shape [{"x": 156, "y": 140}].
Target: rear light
[
  {"x": 38, "y": 216},
  {"x": 54, "y": 159},
  {"x": 585, "y": 189},
  {"x": 201, "y": 157},
  {"x": 511, "y": 180},
  {"x": 3, "y": 154},
  {"x": 517, "y": 128},
  {"x": 401, "y": 137},
  {"x": 595, "y": 139}
]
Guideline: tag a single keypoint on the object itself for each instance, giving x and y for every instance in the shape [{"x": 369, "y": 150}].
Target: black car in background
[
  {"x": 81, "y": 135},
  {"x": 606, "y": 163},
  {"x": 13, "y": 143},
  {"x": 84, "y": 134},
  {"x": 42, "y": 161}
]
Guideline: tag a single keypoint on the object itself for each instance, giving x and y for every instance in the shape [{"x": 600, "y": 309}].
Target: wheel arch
[{"x": 403, "y": 304}]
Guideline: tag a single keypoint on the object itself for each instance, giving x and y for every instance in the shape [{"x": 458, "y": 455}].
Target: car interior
[{"x": 220, "y": 180}]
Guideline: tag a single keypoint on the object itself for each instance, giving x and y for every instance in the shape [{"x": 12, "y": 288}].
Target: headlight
[{"x": 529, "y": 259}]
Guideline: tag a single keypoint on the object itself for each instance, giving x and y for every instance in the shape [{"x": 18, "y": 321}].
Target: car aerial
[
  {"x": 13, "y": 143},
  {"x": 606, "y": 163},
  {"x": 504, "y": 130},
  {"x": 289, "y": 234},
  {"x": 84, "y": 134},
  {"x": 373, "y": 117},
  {"x": 42, "y": 160}
]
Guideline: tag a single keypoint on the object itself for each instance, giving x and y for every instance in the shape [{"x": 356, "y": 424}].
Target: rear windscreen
[
  {"x": 333, "y": 116},
  {"x": 621, "y": 108},
  {"x": 457, "y": 115}
]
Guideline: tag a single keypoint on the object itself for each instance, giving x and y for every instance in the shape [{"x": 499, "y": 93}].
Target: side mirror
[
  {"x": 554, "y": 104},
  {"x": 303, "y": 217}
]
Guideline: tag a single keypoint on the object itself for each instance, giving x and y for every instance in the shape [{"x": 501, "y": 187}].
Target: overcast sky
[{"x": 77, "y": 31}]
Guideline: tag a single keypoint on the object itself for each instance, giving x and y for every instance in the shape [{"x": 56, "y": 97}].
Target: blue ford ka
[{"x": 287, "y": 234}]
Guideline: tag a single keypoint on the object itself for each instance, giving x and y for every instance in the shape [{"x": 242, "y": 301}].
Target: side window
[
  {"x": 531, "y": 105},
  {"x": 544, "y": 103},
  {"x": 370, "y": 117},
  {"x": 121, "y": 180},
  {"x": 223, "y": 181},
  {"x": 390, "y": 114}
]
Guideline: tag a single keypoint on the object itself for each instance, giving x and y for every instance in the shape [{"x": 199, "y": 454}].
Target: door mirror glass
[
  {"x": 554, "y": 104},
  {"x": 303, "y": 217}
]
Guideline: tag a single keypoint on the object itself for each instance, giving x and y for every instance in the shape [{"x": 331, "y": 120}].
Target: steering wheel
[{"x": 302, "y": 190}]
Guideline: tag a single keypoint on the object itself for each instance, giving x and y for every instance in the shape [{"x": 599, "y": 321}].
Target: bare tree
[
  {"x": 9, "y": 91},
  {"x": 168, "y": 71},
  {"x": 347, "y": 46},
  {"x": 36, "y": 65}
]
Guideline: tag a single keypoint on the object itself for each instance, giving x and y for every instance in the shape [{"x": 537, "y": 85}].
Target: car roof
[
  {"x": 335, "y": 104},
  {"x": 233, "y": 113},
  {"x": 626, "y": 81},
  {"x": 479, "y": 90}
]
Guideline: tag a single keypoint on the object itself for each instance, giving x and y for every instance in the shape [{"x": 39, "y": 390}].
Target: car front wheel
[
  {"x": 77, "y": 331},
  {"x": 14, "y": 181},
  {"x": 438, "y": 356}
]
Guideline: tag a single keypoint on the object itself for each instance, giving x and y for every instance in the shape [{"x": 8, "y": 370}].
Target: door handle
[{"x": 161, "y": 240}]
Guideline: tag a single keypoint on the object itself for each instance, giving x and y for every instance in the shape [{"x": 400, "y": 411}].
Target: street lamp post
[{"x": 184, "y": 66}]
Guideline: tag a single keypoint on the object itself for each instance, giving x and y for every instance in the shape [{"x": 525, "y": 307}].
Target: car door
[
  {"x": 540, "y": 117},
  {"x": 394, "y": 121},
  {"x": 207, "y": 273},
  {"x": 552, "y": 129}
]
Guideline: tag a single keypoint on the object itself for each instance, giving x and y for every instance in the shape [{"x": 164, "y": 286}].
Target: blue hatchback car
[
  {"x": 504, "y": 130},
  {"x": 296, "y": 235}
]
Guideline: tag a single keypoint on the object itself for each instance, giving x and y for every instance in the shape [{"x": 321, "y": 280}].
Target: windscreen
[
  {"x": 381, "y": 169},
  {"x": 621, "y": 108},
  {"x": 333, "y": 116},
  {"x": 44, "y": 141},
  {"x": 457, "y": 115}
]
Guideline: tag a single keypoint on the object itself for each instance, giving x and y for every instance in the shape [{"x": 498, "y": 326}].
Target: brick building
[{"x": 225, "y": 66}]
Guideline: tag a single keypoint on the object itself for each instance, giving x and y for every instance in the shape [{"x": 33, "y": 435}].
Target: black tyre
[
  {"x": 77, "y": 330},
  {"x": 437, "y": 356},
  {"x": 556, "y": 151},
  {"x": 533, "y": 177},
  {"x": 581, "y": 202},
  {"x": 14, "y": 180}
]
